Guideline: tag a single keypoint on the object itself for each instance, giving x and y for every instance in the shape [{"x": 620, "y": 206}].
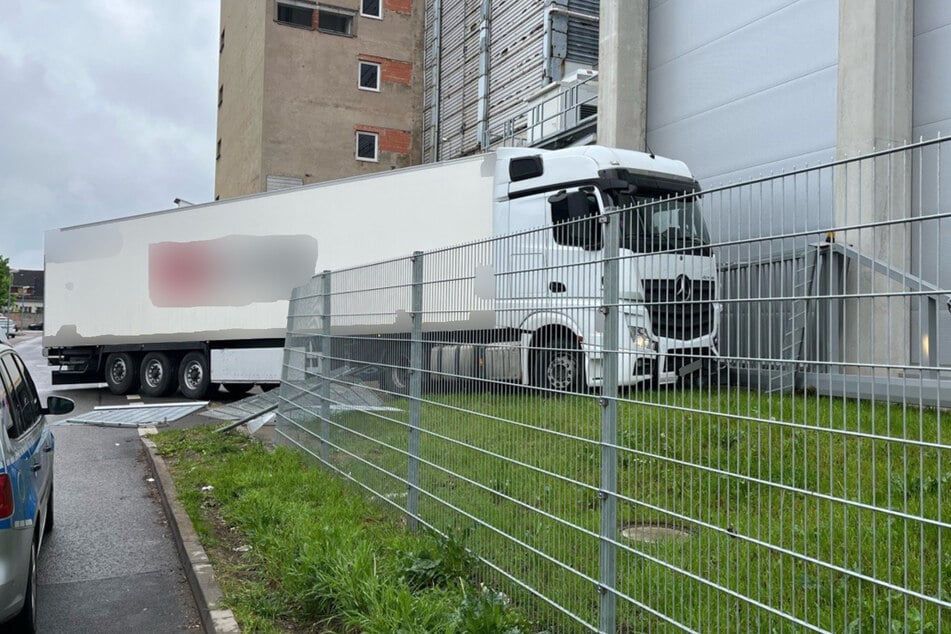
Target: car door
[{"x": 31, "y": 443}]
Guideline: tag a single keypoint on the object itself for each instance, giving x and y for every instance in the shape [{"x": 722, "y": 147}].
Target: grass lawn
[
  {"x": 783, "y": 513},
  {"x": 296, "y": 549}
]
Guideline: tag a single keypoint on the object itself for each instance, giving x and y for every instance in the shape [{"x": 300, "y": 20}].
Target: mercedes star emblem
[{"x": 683, "y": 288}]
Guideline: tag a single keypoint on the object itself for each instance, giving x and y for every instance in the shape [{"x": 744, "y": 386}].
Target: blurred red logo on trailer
[
  {"x": 230, "y": 271},
  {"x": 180, "y": 273}
]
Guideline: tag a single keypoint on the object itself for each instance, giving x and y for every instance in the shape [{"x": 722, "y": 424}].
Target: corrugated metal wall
[
  {"x": 583, "y": 36},
  {"x": 458, "y": 58},
  {"x": 574, "y": 39},
  {"x": 517, "y": 63}
]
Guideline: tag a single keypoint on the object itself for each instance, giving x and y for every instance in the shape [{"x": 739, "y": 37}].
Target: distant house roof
[{"x": 33, "y": 279}]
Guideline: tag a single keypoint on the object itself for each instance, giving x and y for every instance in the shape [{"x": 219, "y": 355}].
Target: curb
[{"x": 215, "y": 617}]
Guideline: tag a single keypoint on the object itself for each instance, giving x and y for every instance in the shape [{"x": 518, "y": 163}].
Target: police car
[{"x": 26, "y": 488}]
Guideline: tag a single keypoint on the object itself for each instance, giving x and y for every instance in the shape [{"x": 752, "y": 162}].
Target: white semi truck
[{"x": 197, "y": 296}]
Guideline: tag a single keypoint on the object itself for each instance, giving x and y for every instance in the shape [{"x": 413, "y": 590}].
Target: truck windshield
[{"x": 654, "y": 221}]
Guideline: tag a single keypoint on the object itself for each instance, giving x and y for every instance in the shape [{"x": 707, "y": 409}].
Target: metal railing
[
  {"x": 796, "y": 477},
  {"x": 560, "y": 116}
]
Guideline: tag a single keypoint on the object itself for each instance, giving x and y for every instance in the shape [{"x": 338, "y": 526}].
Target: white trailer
[
  {"x": 195, "y": 296},
  {"x": 525, "y": 306}
]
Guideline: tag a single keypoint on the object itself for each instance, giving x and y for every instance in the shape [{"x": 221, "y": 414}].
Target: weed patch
[{"x": 296, "y": 549}]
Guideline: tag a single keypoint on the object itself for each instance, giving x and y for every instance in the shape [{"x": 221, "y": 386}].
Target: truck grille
[{"x": 680, "y": 308}]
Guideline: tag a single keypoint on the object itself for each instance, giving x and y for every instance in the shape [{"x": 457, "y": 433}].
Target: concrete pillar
[
  {"x": 622, "y": 78},
  {"x": 874, "y": 112}
]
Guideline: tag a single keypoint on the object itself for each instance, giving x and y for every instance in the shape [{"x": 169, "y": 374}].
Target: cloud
[{"x": 109, "y": 110}]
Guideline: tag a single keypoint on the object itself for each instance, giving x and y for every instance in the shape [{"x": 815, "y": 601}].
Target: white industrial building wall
[
  {"x": 931, "y": 116},
  {"x": 748, "y": 89},
  {"x": 742, "y": 89},
  {"x": 932, "y": 97}
]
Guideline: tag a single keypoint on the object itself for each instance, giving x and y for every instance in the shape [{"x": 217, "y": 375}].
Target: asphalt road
[{"x": 110, "y": 564}]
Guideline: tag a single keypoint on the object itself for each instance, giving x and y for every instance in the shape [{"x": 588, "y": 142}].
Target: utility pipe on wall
[
  {"x": 437, "y": 67},
  {"x": 484, "y": 47}
]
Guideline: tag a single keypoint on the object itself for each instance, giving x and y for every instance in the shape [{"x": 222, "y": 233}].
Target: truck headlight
[{"x": 641, "y": 337}]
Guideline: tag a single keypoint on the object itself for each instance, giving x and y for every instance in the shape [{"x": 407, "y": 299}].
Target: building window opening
[
  {"x": 221, "y": 45},
  {"x": 298, "y": 16},
  {"x": 369, "y": 76},
  {"x": 221, "y": 95},
  {"x": 334, "y": 21},
  {"x": 371, "y": 8},
  {"x": 367, "y": 146},
  {"x": 218, "y": 154}
]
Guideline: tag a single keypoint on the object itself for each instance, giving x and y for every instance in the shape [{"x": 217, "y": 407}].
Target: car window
[
  {"x": 35, "y": 409},
  {"x": 23, "y": 391},
  {"x": 13, "y": 420},
  {"x": 6, "y": 406}
]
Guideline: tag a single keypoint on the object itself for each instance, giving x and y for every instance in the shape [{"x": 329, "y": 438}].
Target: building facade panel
[
  {"x": 312, "y": 91},
  {"x": 931, "y": 116},
  {"x": 733, "y": 101},
  {"x": 241, "y": 98},
  {"x": 517, "y": 57},
  {"x": 678, "y": 27},
  {"x": 445, "y": 116},
  {"x": 932, "y": 105}
]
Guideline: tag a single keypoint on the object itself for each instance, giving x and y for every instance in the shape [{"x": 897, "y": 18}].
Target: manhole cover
[{"x": 652, "y": 532}]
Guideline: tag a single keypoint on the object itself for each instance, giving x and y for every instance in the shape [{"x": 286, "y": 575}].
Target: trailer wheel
[
  {"x": 194, "y": 377},
  {"x": 396, "y": 370},
  {"x": 158, "y": 374},
  {"x": 559, "y": 366},
  {"x": 238, "y": 388},
  {"x": 122, "y": 373}
]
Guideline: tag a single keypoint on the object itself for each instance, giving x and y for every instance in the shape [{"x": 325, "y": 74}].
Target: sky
[{"x": 107, "y": 109}]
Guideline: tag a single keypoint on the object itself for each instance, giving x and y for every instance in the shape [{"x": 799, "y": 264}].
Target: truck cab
[{"x": 667, "y": 285}]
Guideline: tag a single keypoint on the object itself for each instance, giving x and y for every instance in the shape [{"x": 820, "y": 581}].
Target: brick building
[{"x": 310, "y": 91}]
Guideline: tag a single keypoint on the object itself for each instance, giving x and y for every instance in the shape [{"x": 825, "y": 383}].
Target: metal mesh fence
[{"x": 641, "y": 422}]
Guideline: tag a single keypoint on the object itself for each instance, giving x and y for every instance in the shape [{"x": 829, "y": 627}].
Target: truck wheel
[
  {"x": 122, "y": 373},
  {"x": 559, "y": 366},
  {"x": 157, "y": 374},
  {"x": 238, "y": 388},
  {"x": 194, "y": 377}
]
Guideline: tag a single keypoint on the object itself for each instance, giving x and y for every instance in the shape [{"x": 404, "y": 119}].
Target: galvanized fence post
[
  {"x": 415, "y": 392},
  {"x": 609, "y": 393},
  {"x": 324, "y": 368}
]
